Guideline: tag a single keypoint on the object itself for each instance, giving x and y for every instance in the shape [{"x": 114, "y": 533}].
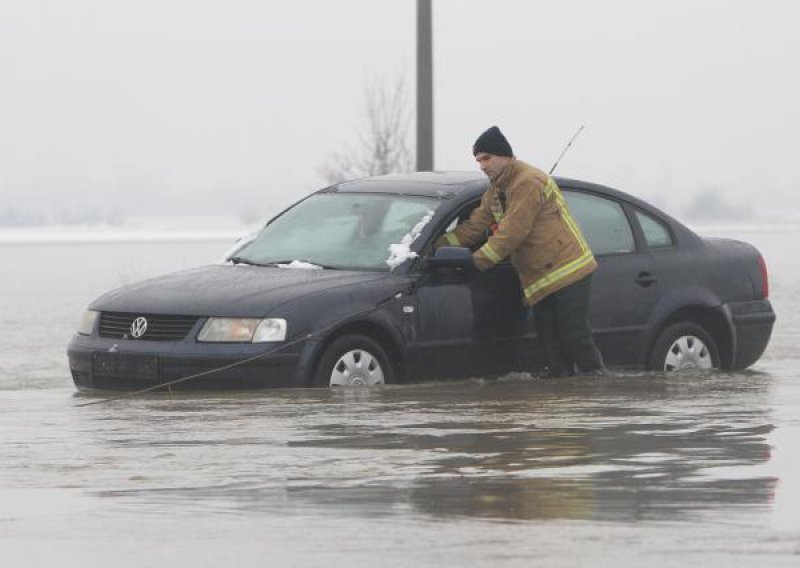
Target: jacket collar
[{"x": 506, "y": 176}]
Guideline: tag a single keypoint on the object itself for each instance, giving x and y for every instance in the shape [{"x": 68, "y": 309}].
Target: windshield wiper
[
  {"x": 242, "y": 260},
  {"x": 277, "y": 263}
]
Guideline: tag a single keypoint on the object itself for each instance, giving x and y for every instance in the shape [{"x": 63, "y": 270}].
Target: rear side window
[
  {"x": 656, "y": 234},
  {"x": 602, "y": 221}
]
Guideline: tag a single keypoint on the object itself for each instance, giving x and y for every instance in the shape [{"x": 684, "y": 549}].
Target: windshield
[{"x": 339, "y": 230}]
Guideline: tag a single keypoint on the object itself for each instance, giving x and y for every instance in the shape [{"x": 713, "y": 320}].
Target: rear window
[{"x": 656, "y": 234}]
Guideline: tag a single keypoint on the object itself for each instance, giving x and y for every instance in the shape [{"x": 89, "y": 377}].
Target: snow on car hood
[{"x": 225, "y": 290}]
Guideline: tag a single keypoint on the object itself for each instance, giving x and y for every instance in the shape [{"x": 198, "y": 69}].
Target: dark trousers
[{"x": 562, "y": 324}]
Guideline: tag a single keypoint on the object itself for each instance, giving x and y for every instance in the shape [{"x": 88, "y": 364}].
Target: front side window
[
  {"x": 463, "y": 214},
  {"x": 339, "y": 230},
  {"x": 602, "y": 221}
]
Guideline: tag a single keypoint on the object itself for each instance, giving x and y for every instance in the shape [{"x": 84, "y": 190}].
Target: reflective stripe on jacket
[{"x": 534, "y": 228}]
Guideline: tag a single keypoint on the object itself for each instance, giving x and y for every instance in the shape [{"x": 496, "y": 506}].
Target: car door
[
  {"x": 443, "y": 323},
  {"x": 625, "y": 286},
  {"x": 499, "y": 319},
  {"x": 468, "y": 323}
]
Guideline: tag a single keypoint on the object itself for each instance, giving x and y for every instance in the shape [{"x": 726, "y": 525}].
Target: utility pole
[{"x": 424, "y": 86}]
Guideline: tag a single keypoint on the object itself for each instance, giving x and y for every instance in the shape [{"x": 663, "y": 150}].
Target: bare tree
[{"x": 383, "y": 139}]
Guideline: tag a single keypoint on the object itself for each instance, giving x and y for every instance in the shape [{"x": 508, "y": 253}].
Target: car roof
[
  {"x": 443, "y": 184},
  {"x": 431, "y": 184}
]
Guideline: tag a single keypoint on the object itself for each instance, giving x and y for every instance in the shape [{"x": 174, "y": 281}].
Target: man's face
[{"x": 492, "y": 165}]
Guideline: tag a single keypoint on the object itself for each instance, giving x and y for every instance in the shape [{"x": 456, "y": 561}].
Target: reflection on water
[{"x": 623, "y": 448}]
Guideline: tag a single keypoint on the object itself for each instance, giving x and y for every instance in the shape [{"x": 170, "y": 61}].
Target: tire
[
  {"x": 353, "y": 360},
  {"x": 684, "y": 346}
]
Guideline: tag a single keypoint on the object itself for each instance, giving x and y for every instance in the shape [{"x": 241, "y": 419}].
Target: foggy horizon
[{"x": 113, "y": 111}]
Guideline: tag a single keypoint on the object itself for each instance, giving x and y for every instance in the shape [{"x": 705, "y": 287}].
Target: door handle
[{"x": 645, "y": 279}]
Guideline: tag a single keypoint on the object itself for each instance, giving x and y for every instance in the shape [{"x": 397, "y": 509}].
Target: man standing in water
[{"x": 530, "y": 222}]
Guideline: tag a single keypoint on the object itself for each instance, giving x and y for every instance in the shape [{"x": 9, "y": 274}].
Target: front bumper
[
  {"x": 751, "y": 323},
  {"x": 113, "y": 364}
]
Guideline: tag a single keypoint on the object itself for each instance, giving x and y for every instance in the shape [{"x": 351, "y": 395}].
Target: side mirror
[{"x": 458, "y": 258}]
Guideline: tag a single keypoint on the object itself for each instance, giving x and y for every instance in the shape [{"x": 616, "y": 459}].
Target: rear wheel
[
  {"x": 353, "y": 360},
  {"x": 684, "y": 346}
]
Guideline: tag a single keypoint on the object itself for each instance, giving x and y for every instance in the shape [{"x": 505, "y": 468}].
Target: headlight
[
  {"x": 86, "y": 325},
  {"x": 270, "y": 329},
  {"x": 243, "y": 330}
]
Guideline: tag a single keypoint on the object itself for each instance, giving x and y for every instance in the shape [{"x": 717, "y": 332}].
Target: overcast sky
[{"x": 161, "y": 106}]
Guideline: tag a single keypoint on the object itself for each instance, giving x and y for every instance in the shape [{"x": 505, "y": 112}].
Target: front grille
[{"x": 117, "y": 325}]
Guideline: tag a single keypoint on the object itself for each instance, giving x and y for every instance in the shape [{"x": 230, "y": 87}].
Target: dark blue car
[{"x": 343, "y": 288}]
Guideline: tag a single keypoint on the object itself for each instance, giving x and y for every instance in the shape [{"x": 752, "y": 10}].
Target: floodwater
[{"x": 626, "y": 470}]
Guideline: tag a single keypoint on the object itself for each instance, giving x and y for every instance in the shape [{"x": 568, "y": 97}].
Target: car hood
[{"x": 226, "y": 290}]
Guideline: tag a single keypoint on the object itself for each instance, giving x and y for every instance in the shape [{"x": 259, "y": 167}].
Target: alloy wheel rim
[
  {"x": 357, "y": 368},
  {"x": 688, "y": 352}
]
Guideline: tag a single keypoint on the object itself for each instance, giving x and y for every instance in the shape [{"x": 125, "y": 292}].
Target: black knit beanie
[{"x": 492, "y": 142}]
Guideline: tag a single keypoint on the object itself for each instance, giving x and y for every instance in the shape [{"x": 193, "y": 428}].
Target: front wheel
[
  {"x": 684, "y": 346},
  {"x": 353, "y": 360}
]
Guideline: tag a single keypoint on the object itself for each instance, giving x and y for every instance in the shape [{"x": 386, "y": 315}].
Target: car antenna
[{"x": 564, "y": 151}]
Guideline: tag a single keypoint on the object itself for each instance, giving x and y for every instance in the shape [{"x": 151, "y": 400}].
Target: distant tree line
[{"x": 711, "y": 204}]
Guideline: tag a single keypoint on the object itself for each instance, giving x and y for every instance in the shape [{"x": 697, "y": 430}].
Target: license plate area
[{"x": 123, "y": 365}]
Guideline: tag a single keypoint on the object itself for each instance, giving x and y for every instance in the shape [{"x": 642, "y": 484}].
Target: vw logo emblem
[{"x": 138, "y": 327}]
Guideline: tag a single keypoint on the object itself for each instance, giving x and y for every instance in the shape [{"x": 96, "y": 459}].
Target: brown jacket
[{"x": 534, "y": 228}]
